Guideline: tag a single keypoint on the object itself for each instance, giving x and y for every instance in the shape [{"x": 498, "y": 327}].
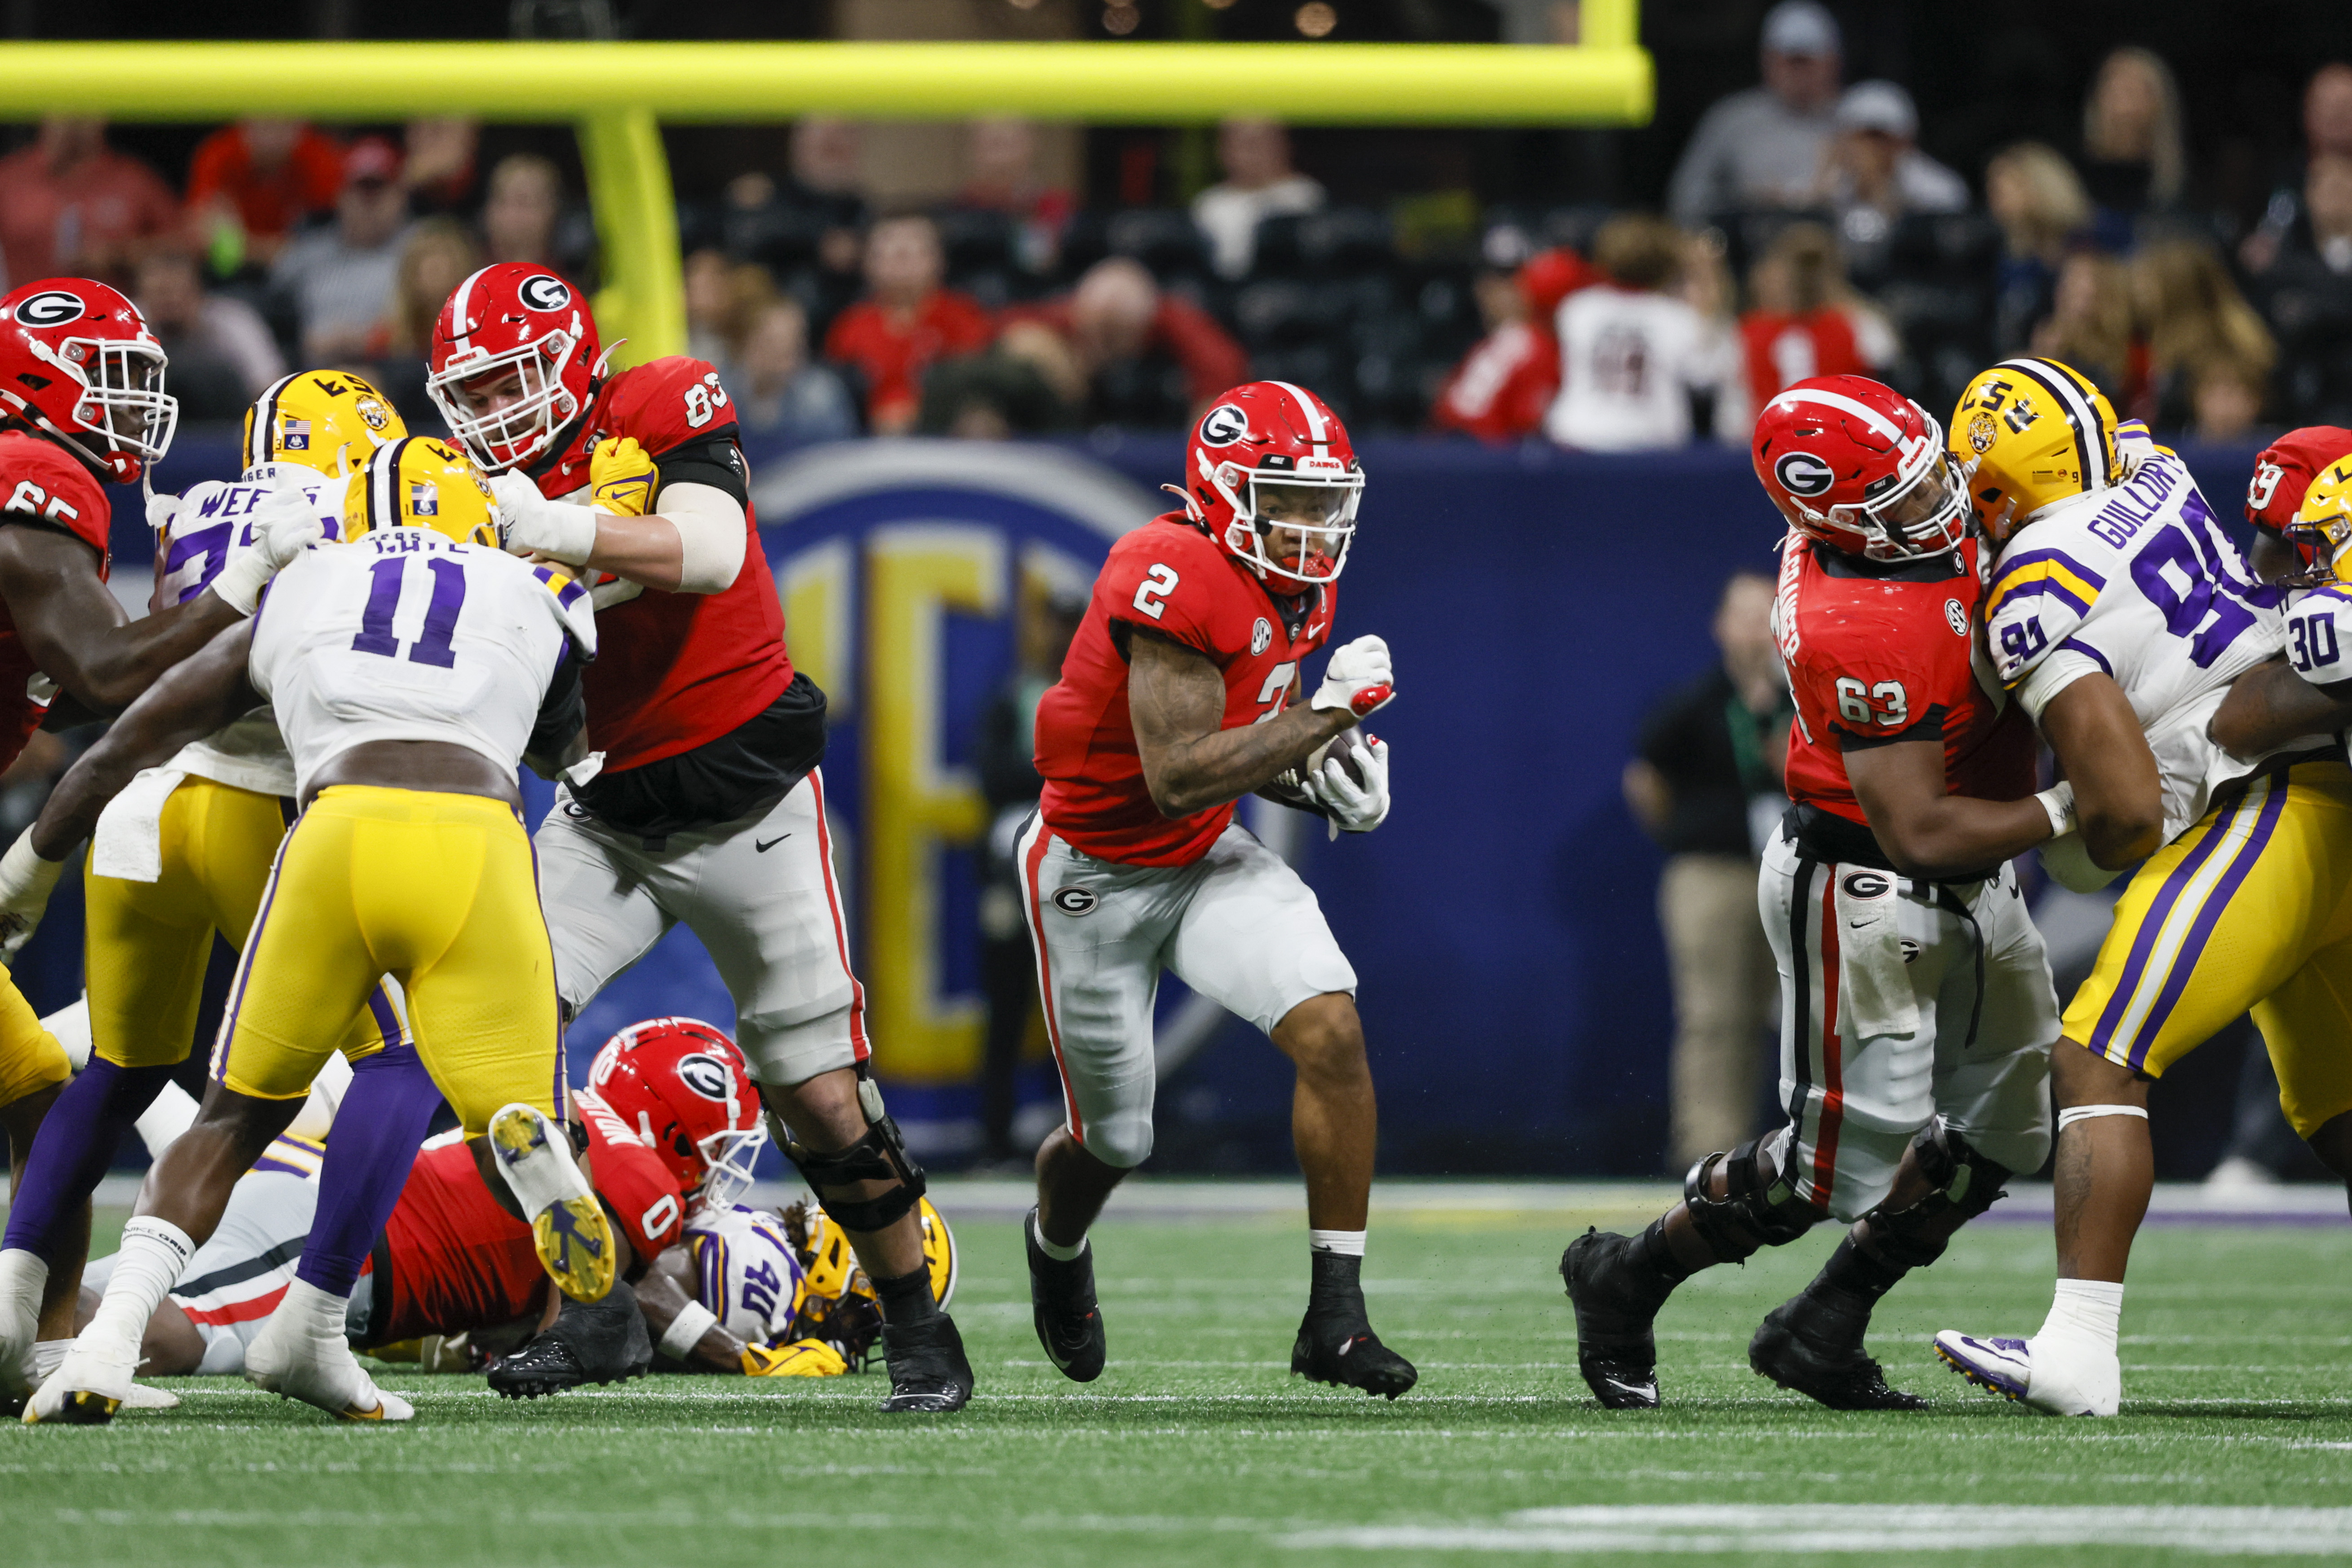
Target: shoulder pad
[
  {"x": 40, "y": 479},
  {"x": 2039, "y": 596}
]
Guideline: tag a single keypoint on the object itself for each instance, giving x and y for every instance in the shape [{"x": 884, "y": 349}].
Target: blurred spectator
[
  {"x": 722, "y": 297},
  {"x": 906, "y": 324},
  {"x": 1259, "y": 184},
  {"x": 1631, "y": 355},
  {"x": 524, "y": 199},
  {"x": 1763, "y": 147},
  {"x": 1002, "y": 159},
  {"x": 1800, "y": 325},
  {"x": 2226, "y": 395},
  {"x": 251, "y": 185},
  {"x": 1706, "y": 286},
  {"x": 777, "y": 391},
  {"x": 439, "y": 171},
  {"x": 1026, "y": 384},
  {"x": 438, "y": 255},
  {"x": 1135, "y": 356},
  {"x": 2193, "y": 312},
  {"x": 2326, "y": 133},
  {"x": 341, "y": 280},
  {"x": 2133, "y": 158},
  {"x": 817, "y": 210},
  {"x": 1705, "y": 783},
  {"x": 2090, "y": 328},
  {"x": 2306, "y": 294},
  {"x": 1503, "y": 386},
  {"x": 221, "y": 351},
  {"x": 71, "y": 205},
  {"x": 1876, "y": 173},
  {"x": 2038, "y": 200}
]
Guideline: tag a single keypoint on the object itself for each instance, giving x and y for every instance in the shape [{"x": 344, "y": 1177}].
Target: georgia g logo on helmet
[
  {"x": 706, "y": 1075},
  {"x": 1803, "y": 474},
  {"x": 544, "y": 292},
  {"x": 1222, "y": 426},
  {"x": 52, "y": 309}
]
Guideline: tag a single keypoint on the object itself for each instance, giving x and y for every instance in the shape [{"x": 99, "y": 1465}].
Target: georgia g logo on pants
[{"x": 1075, "y": 900}]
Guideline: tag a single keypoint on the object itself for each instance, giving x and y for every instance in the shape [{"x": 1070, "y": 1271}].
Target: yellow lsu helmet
[
  {"x": 2035, "y": 432},
  {"x": 2323, "y": 524},
  {"x": 419, "y": 482},
  {"x": 330, "y": 420}
]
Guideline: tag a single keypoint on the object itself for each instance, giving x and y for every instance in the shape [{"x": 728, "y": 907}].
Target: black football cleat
[
  {"x": 598, "y": 1342},
  {"x": 1616, "y": 1305},
  {"x": 1062, "y": 1306},
  {"x": 1813, "y": 1346},
  {"x": 1348, "y": 1354},
  {"x": 929, "y": 1373}
]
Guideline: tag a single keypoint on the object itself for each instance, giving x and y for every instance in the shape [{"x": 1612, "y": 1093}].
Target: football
[{"x": 1339, "y": 748}]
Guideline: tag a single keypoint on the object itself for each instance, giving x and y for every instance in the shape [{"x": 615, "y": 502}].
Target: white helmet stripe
[
  {"x": 1843, "y": 405},
  {"x": 1315, "y": 431}
]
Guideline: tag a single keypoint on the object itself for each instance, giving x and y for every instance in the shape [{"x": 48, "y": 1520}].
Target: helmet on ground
[
  {"x": 2030, "y": 433},
  {"x": 682, "y": 1086},
  {"x": 1271, "y": 475},
  {"x": 1854, "y": 464},
  {"x": 78, "y": 361},
  {"x": 838, "y": 1304},
  {"x": 512, "y": 361},
  {"x": 330, "y": 420},
  {"x": 419, "y": 482}
]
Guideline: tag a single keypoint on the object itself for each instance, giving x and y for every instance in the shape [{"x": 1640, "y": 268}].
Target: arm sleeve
[
  {"x": 2039, "y": 598},
  {"x": 711, "y": 536}
]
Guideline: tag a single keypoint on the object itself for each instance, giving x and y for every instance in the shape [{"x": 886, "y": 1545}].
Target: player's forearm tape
[
  {"x": 239, "y": 584},
  {"x": 2059, "y": 802},
  {"x": 2074, "y": 1113},
  {"x": 686, "y": 1330},
  {"x": 560, "y": 530},
  {"x": 711, "y": 538}
]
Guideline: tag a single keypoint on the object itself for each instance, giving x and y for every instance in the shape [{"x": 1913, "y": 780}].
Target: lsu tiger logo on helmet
[
  {"x": 2030, "y": 433},
  {"x": 419, "y": 482},
  {"x": 330, "y": 420}
]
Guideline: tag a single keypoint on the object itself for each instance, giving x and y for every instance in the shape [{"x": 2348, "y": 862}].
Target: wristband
[
  {"x": 239, "y": 584},
  {"x": 2058, "y": 801},
  {"x": 686, "y": 1330},
  {"x": 560, "y": 531},
  {"x": 22, "y": 870}
]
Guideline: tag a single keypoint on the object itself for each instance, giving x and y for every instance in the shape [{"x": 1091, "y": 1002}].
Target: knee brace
[
  {"x": 879, "y": 1157},
  {"x": 1752, "y": 1213},
  {"x": 1966, "y": 1183}
]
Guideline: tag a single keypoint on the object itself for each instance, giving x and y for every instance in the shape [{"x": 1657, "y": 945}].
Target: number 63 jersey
[{"x": 406, "y": 635}]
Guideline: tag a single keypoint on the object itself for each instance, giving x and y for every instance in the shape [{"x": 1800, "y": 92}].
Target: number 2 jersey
[
  {"x": 405, "y": 635},
  {"x": 1878, "y": 654}
]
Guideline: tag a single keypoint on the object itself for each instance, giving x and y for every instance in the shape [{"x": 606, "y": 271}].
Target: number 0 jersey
[
  {"x": 1169, "y": 578},
  {"x": 408, "y": 635},
  {"x": 1880, "y": 654}
]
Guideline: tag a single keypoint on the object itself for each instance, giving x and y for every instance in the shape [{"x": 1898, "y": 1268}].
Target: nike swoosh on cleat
[
  {"x": 759, "y": 849},
  {"x": 1641, "y": 1394}
]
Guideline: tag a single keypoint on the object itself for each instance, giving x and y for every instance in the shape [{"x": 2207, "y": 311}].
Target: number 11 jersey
[{"x": 405, "y": 635}]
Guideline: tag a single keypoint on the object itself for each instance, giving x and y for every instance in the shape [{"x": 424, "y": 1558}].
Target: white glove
[
  {"x": 160, "y": 510},
  {"x": 1352, "y": 807},
  {"x": 1357, "y": 678},
  {"x": 530, "y": 524},
  {"x": 26, "y": 881},
  {"x": 280, "y": 529}
]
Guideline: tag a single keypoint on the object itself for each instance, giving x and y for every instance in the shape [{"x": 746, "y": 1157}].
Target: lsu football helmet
[
  {"x": 419, "y": 482},
  {"x": 513, "y": 319},
  {"x": 1854, "y": 464},
  {"x": 330, "y": 420},
  {"x": 686, "y": 1090},
  {"x": 2322, "y": 528},
  {"x": 1269, "y": 464},
  {"x": 78, "y": 361},
  {"x": 837, "y": 1303},
  {"x": 2033, "y": 432}
]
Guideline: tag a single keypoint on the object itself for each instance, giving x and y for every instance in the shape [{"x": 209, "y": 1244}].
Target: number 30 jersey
[
  {"x": 1170, "y": 579},
  {"x": 405, "y": 635},
  {"x": 2140, "y": 583},
  {"x": 1877, "y": 654}
]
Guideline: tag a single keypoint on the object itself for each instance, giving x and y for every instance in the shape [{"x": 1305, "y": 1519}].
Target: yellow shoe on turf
[{"x": 576, "y": 1247}]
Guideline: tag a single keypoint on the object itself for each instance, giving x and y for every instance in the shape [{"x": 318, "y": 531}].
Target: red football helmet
[
  {"x": 682, "y": 1086},
  {"x": 1269, "y": 458},
  {"x": 518, "y": 319},
  {"x": 1861, "y": 467},
  {"x": 2284, "y": 471},
  {"x": 78, "y": 361}
]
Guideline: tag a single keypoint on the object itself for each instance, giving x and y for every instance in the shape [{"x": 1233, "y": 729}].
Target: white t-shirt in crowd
[
  {"x": 1229, "y": 215},
  {"x": 1629, "y": 361}
]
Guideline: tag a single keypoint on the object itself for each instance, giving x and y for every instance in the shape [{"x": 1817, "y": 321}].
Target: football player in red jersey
[
  {"x": 1916, "y": 1008},
  {"x": 708, "y": 807},
  {"x": 81, "y": 404},
  {"x": 1174, "y": 702}
]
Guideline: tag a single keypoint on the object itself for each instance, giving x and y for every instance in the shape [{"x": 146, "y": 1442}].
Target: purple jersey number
[{"x": 435, "y": 646}]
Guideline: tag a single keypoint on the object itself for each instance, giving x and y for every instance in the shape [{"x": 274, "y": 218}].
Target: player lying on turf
[
  {"x": 186, "y": 852},
  {"x": 1173, "y": 703},
  {"x": 1917, "y": 1009},
  {"x": 409, "y": 671},
  {"x": 2119, "y": 605}
]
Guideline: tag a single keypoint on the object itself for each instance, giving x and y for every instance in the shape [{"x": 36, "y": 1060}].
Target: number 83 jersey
[{"x": 406, "y": 635}]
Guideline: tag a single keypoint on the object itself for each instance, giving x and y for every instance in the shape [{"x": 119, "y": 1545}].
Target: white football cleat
[
  {"x": 286, "y": 1361},
  {"x": 2058, "y": 1375},
  {"x": 23, "y": 1279},
  {"x": 90, "y": 1385}
]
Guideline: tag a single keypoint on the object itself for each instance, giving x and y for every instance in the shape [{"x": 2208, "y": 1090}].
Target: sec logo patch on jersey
[
  {"x": 1955, "y": 614},
  {"x": 1075, "y": 900},
  {"x": 1261, "y": 637}
]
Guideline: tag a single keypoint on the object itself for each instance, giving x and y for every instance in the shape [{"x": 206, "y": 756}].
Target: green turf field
[{"x": 1197, "y": 1447}]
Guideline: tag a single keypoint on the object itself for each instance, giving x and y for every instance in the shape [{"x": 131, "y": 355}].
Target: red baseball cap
[
  {"x": 2286, "y": 470},
  {"x": 371, "y": 158},
  {"x": 1550, "y": 276}
]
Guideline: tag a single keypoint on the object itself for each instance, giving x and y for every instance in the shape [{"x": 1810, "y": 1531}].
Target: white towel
[{"x": 128, "y": 842}]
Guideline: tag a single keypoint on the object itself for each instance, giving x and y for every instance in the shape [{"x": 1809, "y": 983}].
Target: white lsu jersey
[
  {"x": 407, "y": 635},
  {"x": 745, "y": 1270},
  {"x": 2138, "y": 582}
]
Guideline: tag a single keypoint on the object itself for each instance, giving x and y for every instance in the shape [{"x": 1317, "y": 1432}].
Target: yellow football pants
[
  {"x": 147, "y": 943},
  {"x": 2252, "y": 908},
  {"x": 439, "y": 892},
  {"x": 30, "y": 1057}
]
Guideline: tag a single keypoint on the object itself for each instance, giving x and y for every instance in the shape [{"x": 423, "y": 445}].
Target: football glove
[
  {"x": 280, "y": 529},
  {"x": 621, "y": 478},
  {"x": 26, "y": 883},
  {"x": 1351, "y": 806},
  {"x": 802, "y": 1358},
  {"x": 530, "y": 524},
  {"x": 1357, "y": 678}
]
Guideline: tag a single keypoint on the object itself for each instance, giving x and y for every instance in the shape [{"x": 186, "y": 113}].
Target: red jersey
[
  {"x": 1170, "y": 578},
  {"x": 459, "y": 1261},
  {"x": 1877, "y": 654},
  {"x": 892, "y": 355},
  {"x": 674, "y": 670},
  {"x": 1503, "y": 386},
  {"x": 1784, "y": 349},
  {"x": 41, "y": 480}
]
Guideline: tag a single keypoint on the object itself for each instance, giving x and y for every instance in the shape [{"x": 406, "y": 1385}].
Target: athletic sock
[
  {"x": 1336, "y": 1285},
  {"x": 384, "y": 1115},
  {"x": 75, "y": 1146},
  {"x": 907, "y": 1299},
  {"x": 1054, "y": 1249},
  {"x": 1345, "y": 1243},
  {"x": 2082, "y": 1309},
  {"x": 155, "y": 1252}
]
